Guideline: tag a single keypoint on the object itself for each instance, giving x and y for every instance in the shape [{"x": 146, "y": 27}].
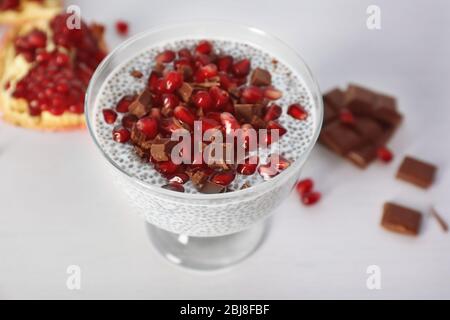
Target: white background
[{"x": 58, "y": 206}]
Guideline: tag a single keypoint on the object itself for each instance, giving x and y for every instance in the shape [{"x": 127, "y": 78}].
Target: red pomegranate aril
[
  {"x": 346, "y": 117},
  {"x": 121, "y": 134},
  {"x": 155, "y": 113},
  {"x": 205, "y": 72},
  {"x": 249, "y": 166},
  {"x": 109, "y": 115},
  {"x": 43, "y": 56},
  {"x": 185, "y": 53},
  {"x": 304, "y": 186},
  {"x": 169, "y": 100},
  {"x": 224, "y": 63},
  {"x": 229, "y": 122},
  {"x": 170, "y": 125},
  {"x": 172, "y": 81},
  {"x": 166, "y": 167},
  {"x": 267, "y": 171},
  {"x": 241, "y": 68},
  {"x": 148, "y": 126},
  {"x": 311, "y": 198},
  {"x": 251, "y": 94},
  {"x": 178, "y": 177},
  {"x": 165, "y": 56},
  {"x": 184, "y": 115},
  {"x": 281, "y": 163},
  {"x": 226, "y": 82},
  {"x": 219, "y": 97},
  {"x": 224, "y": 178},
  {"x": 297, "y": 112},
  {"x": 273, "y": 125},
  {"x": 122, "y": 27},
  {"x": 273, "y": 113},
  {"x": 124, "y": 104},
  {"x": 202, "y": 100},
  {"x": 209, "y": 124},
  {"x": 129, "y": 120},
  {"x": 61, "y": 59},
  {"x": 174, "y": 187},
  {"x": 384, "y": 154},
  {"x": 37, "y": 39},
  {"x": 204, "y": 47},
  {"x": 62, "y": 87},
  {"x": 272, "y": 93},
  {"x": 152, "y": 81}
]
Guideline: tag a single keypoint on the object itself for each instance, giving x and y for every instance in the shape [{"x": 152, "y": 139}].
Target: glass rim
[{"x": 284, "y": 175}]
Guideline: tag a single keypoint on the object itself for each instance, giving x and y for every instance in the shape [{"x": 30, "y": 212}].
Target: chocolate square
[
  {"x": 340, "y": 138},
  {"x": 141, "y": 106},
  {"x": 388, "y": 116},
  {"x": 335, "y": 98},
  {"x": 210, "y": 187},
  {"x": 417, "y": 172},
  {"x": 401, "y": 219},
  {"x": 385, "y": 101},
  {"x": 261, "y": 78},
  {"x": 161, "y": 148},
  {"x": 368, "y": 128},
  {"x": 359, "y": 100},
  {"x": 329, "y": 113},
  {"x": 363, "y": 156}
]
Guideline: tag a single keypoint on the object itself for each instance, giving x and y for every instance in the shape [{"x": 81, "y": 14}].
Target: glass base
[{"x": 207, "y": 253}]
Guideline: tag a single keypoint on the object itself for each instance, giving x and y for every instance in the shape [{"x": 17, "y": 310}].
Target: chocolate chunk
[
  {"x": 401, "y": 219},
  {"x": 388, "y": 116},
  {"x": 246, "y": 185},
  {"x": 210, "y": 187},
  {"x": 368, "y": 128},
  {"x": 257, "y": 122},
  {"x": 137, "y": 136},
  {"x": 174, "y": 187},
  {"x": 136, "y": 74},
  {"x": 141, "y": 106},
  {"x": 359, "y": 100},
  {"x": 340, "y": 138},
  {"x": 185, "y": 91},
  {"x": 335, "y": 99},
  {"x": 417, "y": 172},
  {"x": 247, "y": 111},
  {"x": 385, "y": 101},
  {"x": 363, "y": 156},
  {"x": 198, "y": 178},
  {"x": 161, "y": 148},
  {"x": 261, "y": 77}
]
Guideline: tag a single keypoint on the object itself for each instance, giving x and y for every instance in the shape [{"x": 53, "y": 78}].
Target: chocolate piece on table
[
  {"x": 329, "y": 113},
  {"x": 161, "y": 148},
  {"x": 417, "y": 172},
  {"x": 335, "y": 99},
  {"x": 141, "y": 106},
  {"x": 439, "y": 219},
  {"x": 386, "y": 102},
  {"x": 359, "y": 100},
  {"x": 340, "y": 138},
  {"x": 185, "y": 91},
  {"x": 401, "y": 219},
  {"x": 368, "y": 128},
  {"x": 363, "y": 156},
  {"x": 210, "y": 187},
  {"x": 261, "y": 77},
  {"x": 387, "y": 116}
]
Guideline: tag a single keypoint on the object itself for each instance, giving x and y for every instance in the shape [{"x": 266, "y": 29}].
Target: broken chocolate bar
[
  {"x": 340, "y": 138},
  {"x": 401, "y": 219},
  {"x": 161, "y": 148},
  {"x": 247, "y": 111},
  {"x": 210, "y": 187},
  {"x": 335, "y": 99},
  {"x": 141, "y": 106},
  {"x": 359, "y": 100},
  {"x": 363, "y": 156},
  {"x": 261, "y": 78},
  {"x": 417, "y": 172}
]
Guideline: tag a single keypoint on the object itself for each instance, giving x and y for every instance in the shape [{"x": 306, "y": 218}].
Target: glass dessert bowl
[{"x": 193, "y": 229}]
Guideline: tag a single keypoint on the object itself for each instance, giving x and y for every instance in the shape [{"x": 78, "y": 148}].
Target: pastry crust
[
  {"x": 31, "y": 10},
  {"x": 13, "y": 68}
]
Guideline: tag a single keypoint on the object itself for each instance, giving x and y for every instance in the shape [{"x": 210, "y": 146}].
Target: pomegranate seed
[
  {"x": 165, "y": 57},
  {"x": 152, "y": 81},
  {"x": 281, "y": 163},
  {"x": 170, "y": 125},
  {"x": 226, "y": 82},
  {"x": 252, "y": 94},
  {"x": 219, "y": 97},
  {"x": 122, "y": 27},
  {"x": 229, "y": 122},
  {"x": 121, "y": 134},
  {"x": 205, "y": 72},
  {"x": 155, "y": 113},
  {"x": 185, "y": 53},
  {"x": 249, "y": 166},
  {"x": 178, "y": 177},
  {"x": 43, "y": 56},
  {"x": 37, "y": 39},
  {"x": 202, "y": 100},
  {"x": 172, "y": 81},
  {"x": 110, "y": 116},
  {"x": 209, "y": 124},
  {"x": 204, "y": 47},
  {"x": 297, "y": 112},
  {"x": 174, "y": 187},
  {"x": 384, "y": 154},
  {"x": 346, "y": 117},
  {"x": 272, "y": 93},
  {"x": 273, "y": 113},
  {"x": 166, "y": 167},
  {"x": 224, "y": 63},
  {"x": 129, "y": 120},
  {"x": 273, "y": 125},
  {"x": 124, "y": 104},
  {"x": 241, "y": 68},
  {"x": 184, "y": 115},
  {"x": 267, "y": 171},
  {"x": 304, "y": 186},
  {"x": 148, "y": 126},
  {"x": 62, "y": 59},
  {"x": 224, "y": 178},
  {"x": 170, "y": 101},
  {"x": 311, "y": 198}
]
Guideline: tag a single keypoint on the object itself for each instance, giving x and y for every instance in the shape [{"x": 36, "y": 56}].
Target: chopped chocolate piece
[
  {"x": 335, "y": 99},
  {"x": 246, "y": 185},
  {"x": 385, "y": 101},
  {"x": 401, "y": 219},
  {"x": 340, "y": 138},
  {"x": 215, "y": 161},
  {"x": 257, "y": 122},
  {"x": 205, "y": 85},
  {"x": 159, "y": 68},
  {"x": 185, "y": 91},
  {"x": 368, "y": 128},
  {"x": 329, "y": 114},
  {"x": 363, "y": 156},
  {"x": 359, "y": 100},
  {"x": 261, "y": 78},
  {"x": 245, "y": 111},
  {"x": 417, "y": 172},
  {"x": 174, "y": 187},
  {"x": 210, "y": 187},
  {"x": 199, "y": 178},
  {"x": 161, "y": 148},
  {"x": 141, "y": 152},
  {"x": 137, "y": 136},
  {"x": 390, "y": 117},
  {"x": 141, "y": 106},
  {"x": 234, "y": 92},
  {"x": 439, "y": 219},
  {"x": 136, "y": 74}
]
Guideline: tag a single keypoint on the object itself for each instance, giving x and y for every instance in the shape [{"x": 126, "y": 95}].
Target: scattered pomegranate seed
[
  {"x": 184, "y": 115},
  {"x": 148, "y": 126},
  {"x": 219, "y": 97},
  {"x": 304, "y": 186},
  {"x": 122, "y": 27},
  {"x": 209, "y": 124},
  {"x": 224, "y": 178},
  {"x": 173, "y": 186},
  {"x": 249, "y": 166},
  {"x": 311, "y": 198},
  {"x": 124, "y": 104},
  {"x": 297, "y": 112},
  {"x": 109, "y": 115},
  {"x": 185, "y": 53},
  {"x": 206, "y": 72},
  {"x": 121, "y": 134},
  {"x": 229, "y": 122},
  {"x": 384, "y": 154},
  {"x": 346, "y": 117},
  {"x": 153, "y": 81},
  {"x": 273, "y": 113},
  {"x": 272, "y": 93},
  {"x": 273, "y": 125},
  {"x": 241, "y": 68},
  {"x": 129, "y": 120},
  {"x": 251, "y": 94},
  {"x": 224, "y": 63},
  {"x": 172, "y": 81},
  {"x": 204, "y": 47},
  {"x": 170, "y": 100},
  {"x": 202, "y": 100},
  {"x": 165, "y": 57},
  {"x": 267, "y": 171},
  {"x": 166, "y": 167}
]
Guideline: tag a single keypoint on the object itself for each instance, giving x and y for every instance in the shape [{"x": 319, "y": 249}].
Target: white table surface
[{"x": 59, "y": 208}]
